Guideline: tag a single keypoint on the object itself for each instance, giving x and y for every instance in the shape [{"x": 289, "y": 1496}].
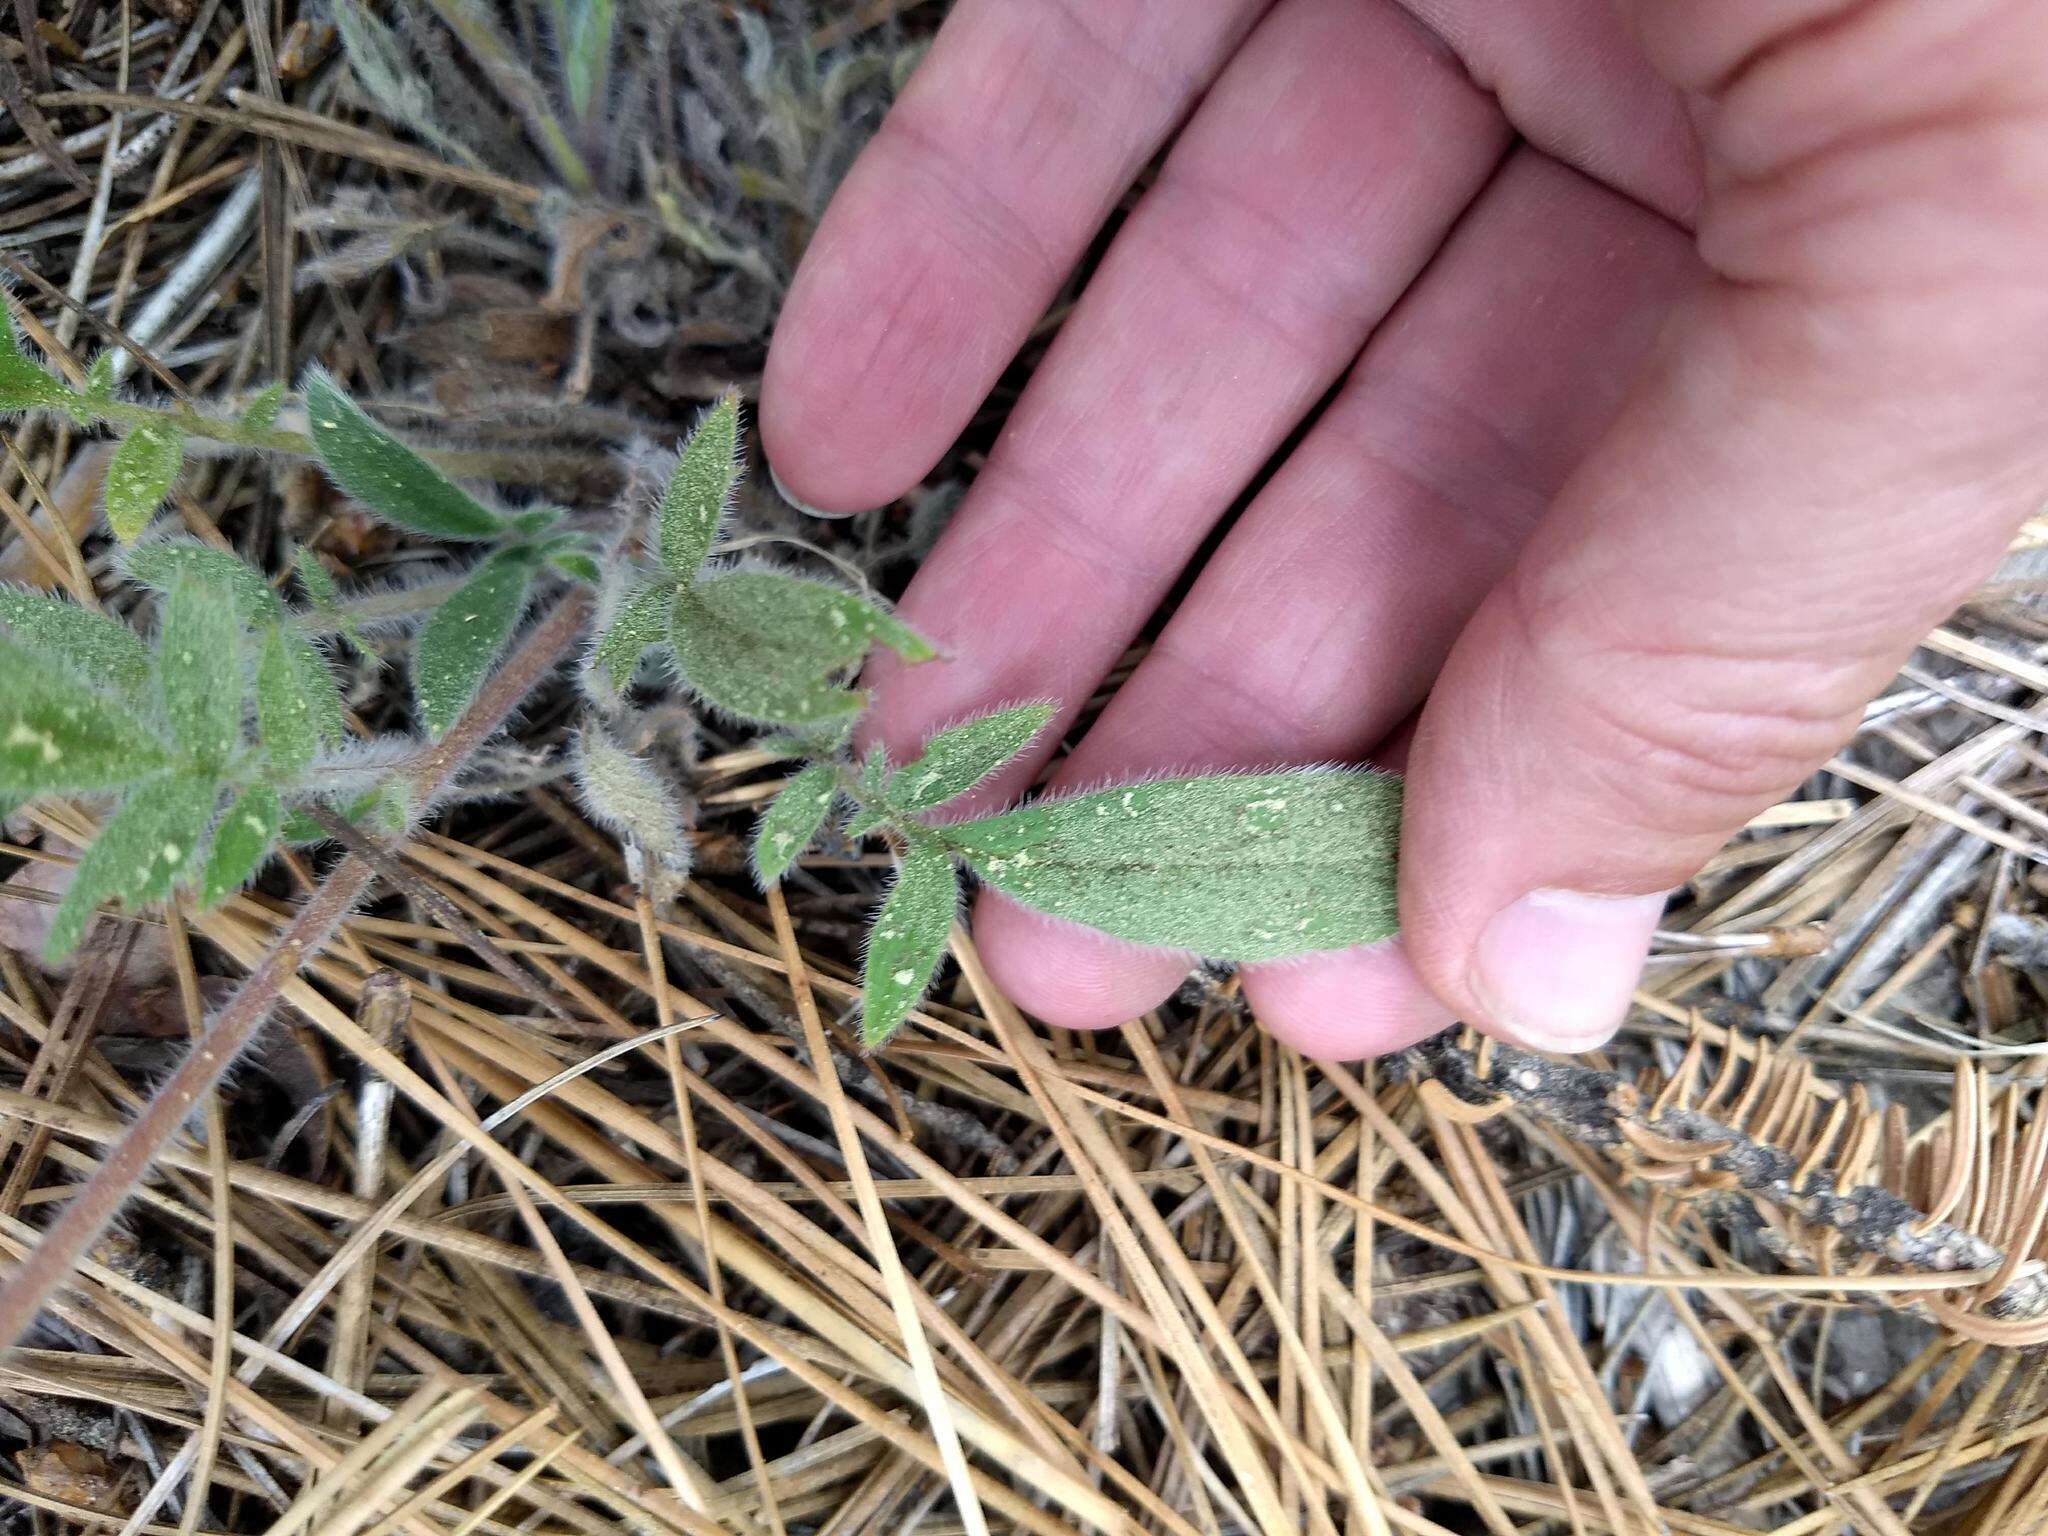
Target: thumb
[{"x": 1837, "y": 441}]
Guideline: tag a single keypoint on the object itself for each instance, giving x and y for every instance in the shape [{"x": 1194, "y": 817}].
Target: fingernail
[
  {"x": 1556, "y": 970},
  {"x": 801, "y": 506}
]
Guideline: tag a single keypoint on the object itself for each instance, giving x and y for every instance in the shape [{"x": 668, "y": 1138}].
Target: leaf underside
[
  {"x": 908, "y": 940},
  {"x": 1240, "y": 867},
  {"x": 630, "y": 799}
]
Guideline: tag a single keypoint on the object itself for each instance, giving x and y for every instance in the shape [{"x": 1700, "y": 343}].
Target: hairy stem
[{"x": 87, "y": 1213}]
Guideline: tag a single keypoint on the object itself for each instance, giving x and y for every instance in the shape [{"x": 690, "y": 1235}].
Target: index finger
[{"x": 958, "y": 223}]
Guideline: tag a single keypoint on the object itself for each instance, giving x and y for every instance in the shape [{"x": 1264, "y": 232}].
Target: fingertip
[
  {"x": 1068, "y": 976},
  {"x": 808, "y": 509},
  {"x": 1347, "y": 1004}
]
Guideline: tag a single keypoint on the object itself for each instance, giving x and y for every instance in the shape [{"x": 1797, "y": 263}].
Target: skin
[{"x": 1654, "y": 379}]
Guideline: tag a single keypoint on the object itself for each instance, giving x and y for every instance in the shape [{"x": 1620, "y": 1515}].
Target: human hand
[{"x": 1697, "y": 365}]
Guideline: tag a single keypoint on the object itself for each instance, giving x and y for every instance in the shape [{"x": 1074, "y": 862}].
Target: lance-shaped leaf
[
  {"x": 199, "y": 673},
  {"x": 100, "y": 650},
  {"x": 161, "y": 564},
  {"x": 699, "y": 490},
  {"x": 586, "y": 42},
  {"x": 810, "y": 622},
  {"x": 1238, "y": 867},
  {"x": 457, "y": 645},
  {"x": 325, "y": 597},
  {"x": 322, "y": 692},
  {"x": 641, "y": 620},
  {"x": 287, "y": 715},
  {"x": 139, "y": 477},
  {"x": 908, "y": 940},
  {"x": 24, "y": 385},
  {"x": 99, "y": 377},
  {"x": 745, "y": 674},
  {"x": 957, "y": 759},
  {"x": 58, "y": 735},
  {"x": 243, "y": 839},
  {"x": 630, "y": 799},
  {"x": 792, "y": 821},
  {"x": 385, "y": 475},
  {"x": 143, "y": 851}
]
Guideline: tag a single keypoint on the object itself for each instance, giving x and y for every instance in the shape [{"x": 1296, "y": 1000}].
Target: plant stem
[
  {"x": 87, "y": 1213},
  {"x": 210, "y": 428}
]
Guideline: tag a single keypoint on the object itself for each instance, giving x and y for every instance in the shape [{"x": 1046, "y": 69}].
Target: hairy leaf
[
  {"x": 24, "y": 385},
  {"x": 642, "y": 619},
  {"x": 139, "y": 477},
  {"x": 199, "y": 673},
  {"x": 908, "y": 941},
  {"x": 286, "y": 714},
  {"x": 630, "y": 799},
  {"x": 385, "y": 475},
  {"x": 243, "y": 839},
  {"x": 791, "y": 822},
  {"x": 694, "y": 503},
  {"x": 325, "y": 597},
  {"x": 317, "y": 686},
  {"x": 161, "y": 564},
  {"x": 578, "y": 563},
  {"x": 957, "y": 759},
  {"x": 142, "y": 852},
  {"x": 1236, "y": 867},
  {"x": 260, "y": 414},
  {"x": 102, "y": 651},
  {"x": 459, "y": 642},
  {"x": 58, "y": 735},
  {"x": 745, "y": 674},
  {"x": 811, "y": 622},
  {"x": 99, "y": 377}
]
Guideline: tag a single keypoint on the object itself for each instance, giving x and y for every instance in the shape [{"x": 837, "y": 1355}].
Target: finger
[
  {"x": 958, "y": 223},
  {"x": 1317, "y": 178},
  {"x": 1836, "y": 443},
  {"x": 1320, "y": 623}
]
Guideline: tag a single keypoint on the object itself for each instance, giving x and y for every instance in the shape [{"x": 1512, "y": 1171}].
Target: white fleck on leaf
[
  {"x": 241, "y": 842},
  {"x": 285, "y": 713},
  {"x": 141, "y": 853},
  {"x": 957, "y": 759},
  {"x": 160, "y": 564},
  {"x": 908, "y": 940},
  {"x": 260, "y": 414},
  {"x": 792, "y": 821},
  {"x": 139, "y": 477},
  {"x": 698, "y": 492},
  {"x": 385, "y": 475},
  {"x": 199, "y": 672},
  {"x": 59, "y": 735},
  {"x": 457, "y": 645},
  {"x": 1241, "y": 867},
  {"x": 740, "y": 673}
]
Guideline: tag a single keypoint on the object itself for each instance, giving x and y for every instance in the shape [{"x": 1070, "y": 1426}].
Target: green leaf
[
  {"x": 630, "y": 799},
  {"x": 577, "y": 563},
  {"x": 641, "y": 620},
  {"x": 161, "y": 564},
  {"x": 908, "y": 941},
  {"x": 325, "y": 597},
  {"x": 243, "y": 839},
  {"x": 1240, "y": 867},
  {"x": 744, "y": 674},
  {"x": 142, "y": 852},
  {"x": 385, "y": 475},
  {"x": 260, "y": 414},
  {"x": 957, "y": 759},
  {"x": 287, "y": 716},
  {"x": 99, "y": 377},
  {"x": 318, "y": 687},
  {"x": 102, "y": 651},
  {"x": 23, "y": 384},
  {"x": 199, "y": 673},
  {"x": 828, "y": 626},
  {"x": 139, "y": 476},
  {"x": 60, "y": 736},
  {"x": 459, "y": 642},
  {"x": 694, "y": 503},
  {"x": 791, "y": 822},
  {"x": 586, "y": 27}
]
